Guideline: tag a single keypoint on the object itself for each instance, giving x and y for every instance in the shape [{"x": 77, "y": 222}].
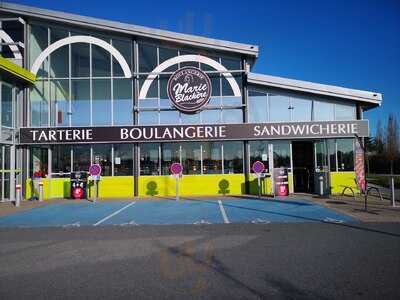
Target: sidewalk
[{"x": 377, "y": 210}]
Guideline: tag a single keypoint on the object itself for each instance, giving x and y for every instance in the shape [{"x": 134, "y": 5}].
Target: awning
[{"x": 14, "y": 74}]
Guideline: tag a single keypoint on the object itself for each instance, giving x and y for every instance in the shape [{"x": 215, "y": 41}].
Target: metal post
[
  {"x": 40, "y": 186},
  {"x": 259, "y": 185},
  {"x": 177, "y": 188},
  {"x": 18, "y": 195},
  {"x": 321, "y": 185},
  {"x": 95, "y": 191},
  {"x": 393, "y": 195}
]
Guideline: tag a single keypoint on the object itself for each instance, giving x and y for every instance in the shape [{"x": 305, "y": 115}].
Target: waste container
[
  {"x": 321, "y": 182},
  {"x": 79, "y": 185},
  {"x": 281, "y": 181}
]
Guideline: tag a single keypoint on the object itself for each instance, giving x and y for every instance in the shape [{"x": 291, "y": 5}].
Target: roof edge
[
  {"x": 102, "y": 24},
  {"x": 16, "y": 71},
  {"x": 315, "y": 88}
]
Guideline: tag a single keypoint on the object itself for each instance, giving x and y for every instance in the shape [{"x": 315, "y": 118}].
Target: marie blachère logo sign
[{"x": 189, "y": 89}]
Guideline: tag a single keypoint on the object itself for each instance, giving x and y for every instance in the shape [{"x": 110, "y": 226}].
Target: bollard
[
  {"x": 393, "y": 192},
  {"x": 17, "y": 195},
  {"x": 40, "y": 186},
  {"x": 321, "y": 185}
]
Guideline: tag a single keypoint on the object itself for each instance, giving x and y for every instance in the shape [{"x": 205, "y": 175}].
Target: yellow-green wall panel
[
  {"x": 228, "y": 184},
  {"x": 113, "y": 187},
  {"x": 341, "y": 179}
]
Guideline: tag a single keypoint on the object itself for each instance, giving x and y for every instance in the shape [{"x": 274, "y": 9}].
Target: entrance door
[
  {"x": 303, "y": 166},
  {"x": 5, "y": 173},
  {"x": 321, "y": 175}
]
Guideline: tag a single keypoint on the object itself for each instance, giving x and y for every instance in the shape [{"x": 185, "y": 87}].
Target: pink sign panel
[
  {"x": 258, "y": 167},
  {"x": 95, "y": 170},
  {"x": 176, "y": 168}
]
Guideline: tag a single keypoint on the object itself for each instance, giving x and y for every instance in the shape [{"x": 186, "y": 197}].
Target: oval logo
[{"x": 189, "y": 89}]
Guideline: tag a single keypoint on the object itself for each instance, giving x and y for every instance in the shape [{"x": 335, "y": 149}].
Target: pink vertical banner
[{"x": 360, "y": 166}]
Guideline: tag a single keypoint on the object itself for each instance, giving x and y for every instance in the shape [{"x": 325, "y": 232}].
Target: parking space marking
[
  {"x": 113, "y": 214},
  {"x": 223, "y": 213}
]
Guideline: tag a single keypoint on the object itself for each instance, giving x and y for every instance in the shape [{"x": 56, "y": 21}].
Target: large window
[
  {"x": 196, "y": 158},
  {"x": 149, "y": 159},
  {"x": 324, "y": 111},
  {"x": 223, "y": 107},
  {"x": 61, "y": 159},
  {"x": 6, "y": 105},
  {"x": 279, "y": 108},
  {"x": 301, "y": 109},
  {"x": 281, "y": 154},
  {"x": 170, "y": 153},
  {"x": 233, "y": 157},
  {"x": 345, "y": 154},
  {"x": 345, "y": 111},
  {"x": 212, "y": 158},
  {"x": 87, "y": 85},
  {"x": 259, "y": 152},
  {"x": 81, "y": 157},
  {"x": 258, "y": 107},
  {"x": 123, "y": 160}
]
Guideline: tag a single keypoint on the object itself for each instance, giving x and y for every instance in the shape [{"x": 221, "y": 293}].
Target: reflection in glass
[
  {"x": 233, "y": 157},
  {"x": 169, "y": 155},
  {"x": 321, "y": 153},
  {"x": 101, "y": 62},
  {"x": 147, "y": 57},
  {"x": 123, "y": 104},
  {"x": 80, "y": 60},
  {"x": 169, "y": 117},
  {"x": 80, "y": 102},
  {"x": 148, "y": 117},
  {"x": 257, "y": 107},
  {"x": 149, "y": 159},
  {"x": 323, "y": 111},
  {"x": 345, "y": 154},
  {"x": 344, "y": 112},
  {"x": 212, "y": 158},
  {"x": 101, "y": 104},
  {"x": 259, "y": 152},
  {"x": 211, "y": 116},
  {"x": 191, "y": 158},
  {"x": 332, "y": 154},
  {"x": 59, "y": 59},
  {"x": 59, "y": 92},
  {"x": 232, "y": 116},
  {"x": 6, "y": 105},
  {"x": 301, "y": 109},
  {"x": 281, "y": 154},
  {"x": 39, "y": 100},
  {"x": 37, "y": 43},
  {"x": 102, "y": 156},
  {"x": 38, "y": 160},
  {"x": 279, "y": 108},
  {"x": 190, "y": 118},
  {"x": 124, "y": 47},
  {"x": 81, "y": 157},
  {"x": 61, "y": 158},
  {"x": 123, "y": 159}
]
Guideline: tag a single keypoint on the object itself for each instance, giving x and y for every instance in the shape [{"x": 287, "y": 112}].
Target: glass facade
[
  {"x": 82, "y": 84},
  {"x": 196, "y": 158},
  {"x": 273, "y": 106}
]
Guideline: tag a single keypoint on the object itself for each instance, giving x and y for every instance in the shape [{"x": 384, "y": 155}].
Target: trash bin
[
  {"x": 79, "y": 185},
  {"x": 281, "y": 181}
]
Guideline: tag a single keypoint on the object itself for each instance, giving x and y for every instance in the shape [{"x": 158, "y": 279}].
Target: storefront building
[{"x": 136, "y": 100}]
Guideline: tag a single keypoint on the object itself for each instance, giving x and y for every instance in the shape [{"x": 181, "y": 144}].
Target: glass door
[
  {"x": 321, "y": 163},
  {"x": 5, "y": 173}
]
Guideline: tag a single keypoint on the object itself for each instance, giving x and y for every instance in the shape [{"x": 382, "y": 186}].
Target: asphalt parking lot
[{"x": 307, "y": 260}]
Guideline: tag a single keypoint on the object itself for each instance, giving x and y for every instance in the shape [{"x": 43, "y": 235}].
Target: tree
[
  {"x": 392, "y": 141},
  {"x": 379, "y": 138}
]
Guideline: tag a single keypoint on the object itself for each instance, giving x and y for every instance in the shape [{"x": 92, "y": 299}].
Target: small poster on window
[
  {"x": 264, "y": 157},
  {"x": 118, "y": 160}
]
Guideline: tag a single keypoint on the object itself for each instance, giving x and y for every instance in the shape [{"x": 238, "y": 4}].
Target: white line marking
[
  {"x": 113, "y": 214},
  {"x": 223, "y": 213}
]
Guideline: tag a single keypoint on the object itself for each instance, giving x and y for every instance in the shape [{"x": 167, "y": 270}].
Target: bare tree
[
  {"x": 392, "y": 141},
  {"x": 379, "y": 138},
  {"x": 392, "y": 148}
]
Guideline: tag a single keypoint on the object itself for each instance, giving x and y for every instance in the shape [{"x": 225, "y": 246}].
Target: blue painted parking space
[{"x": 168, "y": 212}]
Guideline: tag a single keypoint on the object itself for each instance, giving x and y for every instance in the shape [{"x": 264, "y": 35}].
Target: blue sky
[{"x": 355, "y": 44}]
